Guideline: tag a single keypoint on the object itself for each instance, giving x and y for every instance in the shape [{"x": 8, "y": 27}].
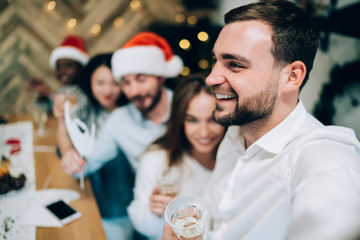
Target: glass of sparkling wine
[
  {"x": 40, "y": 115},
  {"x": 70, "y": 93},
  {"x": 169, "y": 182},
  {"x": 186, "y": 216}
]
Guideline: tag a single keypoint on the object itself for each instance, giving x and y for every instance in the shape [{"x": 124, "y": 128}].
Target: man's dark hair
[{"x": 294, "y": 36}]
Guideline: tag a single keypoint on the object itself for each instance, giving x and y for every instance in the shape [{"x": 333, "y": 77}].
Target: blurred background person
[
  {"x": 141, "y": 67},
  {"x": 112, "y": 184},
  {"x": 67, "y": 60},
  {"x": 187, "y": 150}
]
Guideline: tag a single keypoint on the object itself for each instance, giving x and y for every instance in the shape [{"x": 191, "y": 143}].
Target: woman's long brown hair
[{"x": 174, "y": 141}]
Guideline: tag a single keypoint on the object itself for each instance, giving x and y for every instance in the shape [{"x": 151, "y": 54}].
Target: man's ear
[{"x": 295, "y": 76}]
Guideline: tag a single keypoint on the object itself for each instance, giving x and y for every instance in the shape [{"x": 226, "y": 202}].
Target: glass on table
[
  {"x": 186, "y": 216},
  {"x": 40, "y": 111}
]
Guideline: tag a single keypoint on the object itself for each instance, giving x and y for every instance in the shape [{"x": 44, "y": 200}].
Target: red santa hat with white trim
[
  {"x": 146, "y": 53},
  {"x": 73, "y": 47}
]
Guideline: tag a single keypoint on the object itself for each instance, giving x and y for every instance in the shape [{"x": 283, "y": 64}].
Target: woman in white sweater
[{"x": 189, "y": 146}]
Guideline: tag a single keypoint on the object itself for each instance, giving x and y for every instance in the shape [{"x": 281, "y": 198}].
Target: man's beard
[
  {"x": 155, "y": 100},
  {"x": 251, "y": 109}
]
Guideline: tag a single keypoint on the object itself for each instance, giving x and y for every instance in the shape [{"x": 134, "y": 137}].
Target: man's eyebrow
[
  {"x": 228, "y": 56},
  {"x": 235, "y": 57}
]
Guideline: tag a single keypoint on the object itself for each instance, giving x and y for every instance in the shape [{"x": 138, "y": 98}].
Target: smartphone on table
[{"x": 63, "y": 211}]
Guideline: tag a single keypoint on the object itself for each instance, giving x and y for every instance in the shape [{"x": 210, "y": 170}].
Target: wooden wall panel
[{"x": 28, "y": 33}]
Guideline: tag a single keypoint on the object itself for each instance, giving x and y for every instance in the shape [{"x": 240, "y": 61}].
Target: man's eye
[
  {"x": 124, "y": 83},
  {"x": 235, "y": 65},
  {"x": 69, "y": 65},
  {"x": 141, "y": 77}
]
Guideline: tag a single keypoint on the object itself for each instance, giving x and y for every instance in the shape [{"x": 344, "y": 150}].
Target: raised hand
[
  {"x": 72, "y": 162},
  {"x": 168, "y": 233},
  {"x": 38, "y": 85},
  {"x": 158, "y": 202}
]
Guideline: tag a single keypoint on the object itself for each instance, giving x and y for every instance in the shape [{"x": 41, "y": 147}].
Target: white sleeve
[
  {"x": 105, "y": 148},
  {"x": 325, "y": 192},
  {"x": 144, "y": 221}
]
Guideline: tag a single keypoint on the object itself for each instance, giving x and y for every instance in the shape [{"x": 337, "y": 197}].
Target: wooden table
[{"x": 47, "y": 166}]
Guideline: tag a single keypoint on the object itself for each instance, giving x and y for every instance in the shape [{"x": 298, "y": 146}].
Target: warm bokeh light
[
  {"x": 51, "y": 5},
  {"x": 203, "y": 64},
  {"x": 119, "y": 22},
  {"x": 185, "y": 44},
  {"x": 180, "y": 18},
  {"x": 203, "y": 36},
  {"x": 185, "y": 71},
  {"x": 96, "y": 29},
  {"x": 192, "y": 20},
  {"x": 71, "y": 23},
  {"x": 135, "y": 5}
]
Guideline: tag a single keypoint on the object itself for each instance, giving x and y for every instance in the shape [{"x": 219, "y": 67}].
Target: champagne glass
[
  {"x": 186, "y": 216},
  {"x": 70, "y": 93},
  {"x": 169, "y": 181},
  {"x": 40, "y": 114}
]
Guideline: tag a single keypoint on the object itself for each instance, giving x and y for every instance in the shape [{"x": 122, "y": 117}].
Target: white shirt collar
[{"x": 275, "y": 140}]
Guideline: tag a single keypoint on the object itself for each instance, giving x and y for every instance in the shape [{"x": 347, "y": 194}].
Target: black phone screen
[{"x": 60, "y": 209}]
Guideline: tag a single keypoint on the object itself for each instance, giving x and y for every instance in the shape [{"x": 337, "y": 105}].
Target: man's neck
[
  {"x": 158, "y": 113},
  {"x": 255, "y": 130}
]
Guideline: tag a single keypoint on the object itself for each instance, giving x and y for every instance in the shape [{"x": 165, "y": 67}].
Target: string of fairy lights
[{"x": 136, "y": 5}]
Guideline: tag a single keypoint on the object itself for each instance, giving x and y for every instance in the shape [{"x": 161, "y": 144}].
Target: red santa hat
[
  {"x": 146, "y": 53},
  {"x": 73, "y": 47}
]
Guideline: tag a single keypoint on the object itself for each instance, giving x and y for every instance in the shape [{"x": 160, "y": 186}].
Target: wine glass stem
[{"x": 41, "y": 129}]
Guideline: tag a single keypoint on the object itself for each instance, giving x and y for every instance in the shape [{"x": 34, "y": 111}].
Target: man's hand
[
  {"x": 168, "y": 233},
  {"x": 71, "y": 162},
  {"x": 158, "y": 202},
  {"x": 39, "y": 87}
]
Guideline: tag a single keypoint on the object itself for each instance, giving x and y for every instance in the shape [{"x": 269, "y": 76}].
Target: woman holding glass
[
  {"x": 113, "y": 183},
  {"x": 181, "y": 161}
]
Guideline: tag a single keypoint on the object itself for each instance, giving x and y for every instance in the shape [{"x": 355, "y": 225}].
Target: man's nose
[
  {"x": 60, "y": 70},
  {"x": 216, "y": 76},
  {"x": 134, "y": 90}
]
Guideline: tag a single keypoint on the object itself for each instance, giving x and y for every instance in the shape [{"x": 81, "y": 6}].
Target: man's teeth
[{"x": 223, "y": 96}]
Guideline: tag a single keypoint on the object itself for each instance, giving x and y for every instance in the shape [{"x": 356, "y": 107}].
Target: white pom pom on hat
[
  {"x": 146, "y": 53},
  {"x": 73, "y": 47}
]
